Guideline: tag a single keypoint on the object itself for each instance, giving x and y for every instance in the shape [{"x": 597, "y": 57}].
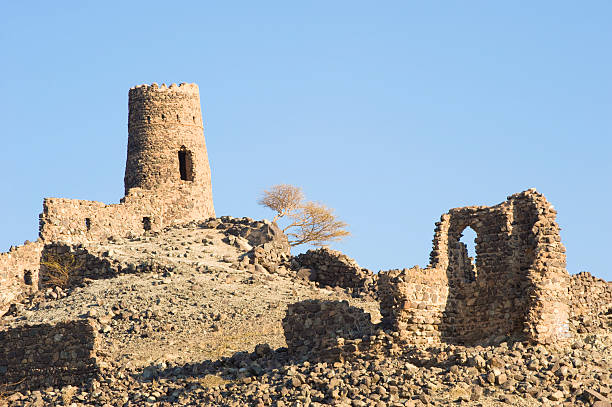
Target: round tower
[{"x": 166, "y": 148}]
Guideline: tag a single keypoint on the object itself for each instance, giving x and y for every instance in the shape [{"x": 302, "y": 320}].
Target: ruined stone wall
[
  {"x": 516, "y": 287},
  {"x": 321, "y": 328},
  {"x": 76, "y": 221},
  {"x": 334, "y": 269},
  {"x": 591, "y": 302},
  {"x": 413, "y": 302},
  {"x": 19, "y": 273},
  {"x": 37, "y": 356}
]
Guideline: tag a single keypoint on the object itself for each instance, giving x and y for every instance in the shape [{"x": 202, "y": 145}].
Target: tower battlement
[{"x": 154, "y": 87}]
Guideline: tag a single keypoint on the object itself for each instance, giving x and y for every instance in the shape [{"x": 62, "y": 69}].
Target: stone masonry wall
[
  {"x": 334, "y": 269},
  {"x": 321, "y": 328},
  {"x": 18, "y": 273},
  {"x": 162, "y": 122},
  {"x": 39, "y": 356},
  {"x": 517, "y": 286},
  {"x": 77, "y": 221},
  {"x": 412, "y": 303},
  {"x": 591, "y": 302}
]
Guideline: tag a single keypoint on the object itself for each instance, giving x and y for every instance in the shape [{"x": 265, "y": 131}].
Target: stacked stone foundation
[
  {"x": 412, "y": 303},
  {"x": 38, "y": 356},
  {"x": 329, "y": 330},
  {"x": 331, "y": 268}
]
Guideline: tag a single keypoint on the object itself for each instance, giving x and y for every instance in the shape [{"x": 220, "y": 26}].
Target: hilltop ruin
[{"x": 515, "y": 290}]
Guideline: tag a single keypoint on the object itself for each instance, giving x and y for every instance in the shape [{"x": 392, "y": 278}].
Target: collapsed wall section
[
  {"x": 334, "y": 269},
  {"x": 19, "y": 273},
  {"x": 591, "y": 302},
  {"x": 38, "y": 356}
]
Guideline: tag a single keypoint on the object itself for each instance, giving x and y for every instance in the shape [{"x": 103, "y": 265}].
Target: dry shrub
[
  {"x": 61, "y": 270},
  {"x": 309, "y": 222}
]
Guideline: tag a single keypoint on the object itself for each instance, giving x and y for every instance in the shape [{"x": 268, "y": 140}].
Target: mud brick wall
[
  {"x": 19, "y": 270},
  {"x": 412, "y": 303},
  {"x": 591, "y": 302},
  {"x": 37, "y": 356},
  {"x": 334, "y": 269},
  {"x": 315, "y": 327}
]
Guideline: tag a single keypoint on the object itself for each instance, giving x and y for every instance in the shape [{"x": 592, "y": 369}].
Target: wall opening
[
  {"x": 146, "y": 223},
  {"x": 88, "y": 224},
  {"x": 469, "y": 255},
  {"x": 185, "y": 164},
  {"x": 27, "y": 277}
]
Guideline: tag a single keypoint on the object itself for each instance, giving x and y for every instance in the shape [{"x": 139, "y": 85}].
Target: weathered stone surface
[
  {"x": 518, "y": 286},
  {"x": 44, "y": 355},
  {"x": 334, "y": 269},
  {"x": 325, "y": 328}
]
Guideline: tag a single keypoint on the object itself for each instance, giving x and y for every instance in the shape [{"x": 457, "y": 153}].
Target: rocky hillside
[{"x": 197, "y": 315}]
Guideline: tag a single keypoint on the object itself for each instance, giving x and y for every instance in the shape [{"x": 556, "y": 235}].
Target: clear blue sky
[{"x": 390, "y": 112}]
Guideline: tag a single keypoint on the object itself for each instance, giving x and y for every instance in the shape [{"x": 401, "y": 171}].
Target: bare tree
[
  {"x": 309, "y": 222},
  {"x": 283, "y": 199}
]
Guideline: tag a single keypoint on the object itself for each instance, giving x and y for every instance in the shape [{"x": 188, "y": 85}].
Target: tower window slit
[
  {"x": 146, "y": 223},
  {"x": 185, "y": 165}
]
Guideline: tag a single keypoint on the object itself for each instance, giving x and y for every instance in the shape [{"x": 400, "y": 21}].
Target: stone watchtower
[
  {"x": 166, "y": 148},
  {"x": 167, "y": 175}
]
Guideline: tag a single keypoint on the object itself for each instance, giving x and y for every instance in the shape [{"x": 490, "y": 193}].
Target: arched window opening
[
  {"x": 185, "y": 164},
  {"x": 468, "y": 257}
]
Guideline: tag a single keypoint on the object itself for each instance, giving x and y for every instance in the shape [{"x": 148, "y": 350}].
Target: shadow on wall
[
  {"x": 516, "y": 289},
  {"x": 322, "y": 328},
  {"x": 487, "y": 298}
]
